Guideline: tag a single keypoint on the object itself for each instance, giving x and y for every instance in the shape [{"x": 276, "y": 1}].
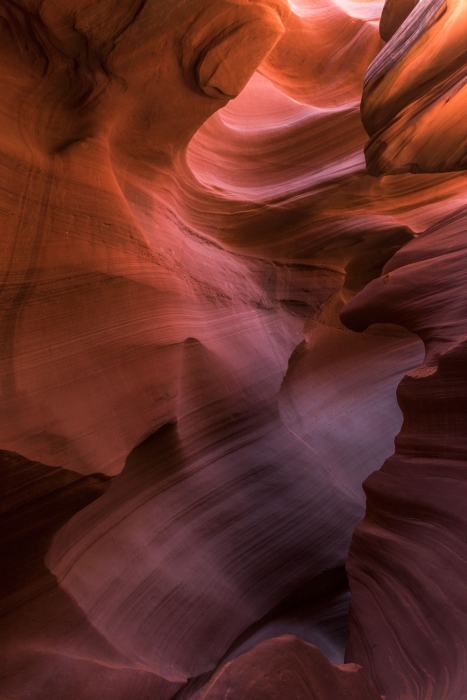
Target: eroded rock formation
[
  {"x": 414, "y": 528},
  {"x": 191, "y": 419},
  {"x": 416, "y": 90},
  {"x": 286, "y": 667}
]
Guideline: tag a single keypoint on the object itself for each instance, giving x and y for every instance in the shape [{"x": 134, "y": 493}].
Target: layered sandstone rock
[
  {"x": 49, "y": 649},
  {"x": 287, "y": 667},
  {"x": 407, "y": 563},
  {"x": 174, "y": 265},
  {"x": 415, "y": 91},
  {"x": 394, "y": 13}
]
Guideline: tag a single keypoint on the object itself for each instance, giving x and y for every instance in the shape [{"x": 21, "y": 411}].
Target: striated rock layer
[
  {"x": 198, "y": 419},
  {"x": 407, "y": 559},
  {"x": 407, "y": 563},
  {"x": 416, "y": 90},
  {"x": 287, "y": 667}
]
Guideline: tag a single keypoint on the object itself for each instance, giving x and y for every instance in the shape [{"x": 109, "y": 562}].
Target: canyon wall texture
[
  {"x": 213, "y": 282},
  {"x": 408, "y": 614}
]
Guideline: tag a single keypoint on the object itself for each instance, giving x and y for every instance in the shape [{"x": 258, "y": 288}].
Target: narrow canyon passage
[{"x": 232, "y": 350}]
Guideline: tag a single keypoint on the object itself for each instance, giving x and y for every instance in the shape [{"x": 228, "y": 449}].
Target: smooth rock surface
[
  {"x": 414, "y": 99},
  {"x": 185, "y": 211},
  {"x": 406, "y": 564},
  {"x": 287, "y": 667}
]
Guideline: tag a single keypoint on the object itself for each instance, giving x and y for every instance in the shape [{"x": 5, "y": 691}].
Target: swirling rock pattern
[
  {"x": 407, "y": 559},
  {"x": 415, "y": 518},
  {"x": 49, "y": 649},
  {"x": 287, "y": 667},
  {"x": 173, "y": 266},
  {"x": 416, "y": 89}
]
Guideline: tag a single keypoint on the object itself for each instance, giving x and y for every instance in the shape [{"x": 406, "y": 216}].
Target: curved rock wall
[
  {"x": 406, "y": 563},
  {"x": 175, "y": 267}
]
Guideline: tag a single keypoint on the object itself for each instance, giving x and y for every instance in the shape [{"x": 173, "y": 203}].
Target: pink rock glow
[{"x": 233, "y": 291}]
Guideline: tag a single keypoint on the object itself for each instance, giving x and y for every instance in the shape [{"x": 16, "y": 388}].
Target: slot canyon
[{"x": 233, "y": 350}]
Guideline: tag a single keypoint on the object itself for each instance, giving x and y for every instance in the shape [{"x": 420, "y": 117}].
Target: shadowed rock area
[{"x": 233, "y": 349}]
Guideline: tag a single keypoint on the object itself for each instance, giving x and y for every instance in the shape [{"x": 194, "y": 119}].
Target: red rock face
[
  {"x": 285, "y": 665},
  {"x": 406, "y": 560},
  {"x": 415, "y": 514},
  {"x": 207, "y": 305},
  {"x": 415, "y": 89}
]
